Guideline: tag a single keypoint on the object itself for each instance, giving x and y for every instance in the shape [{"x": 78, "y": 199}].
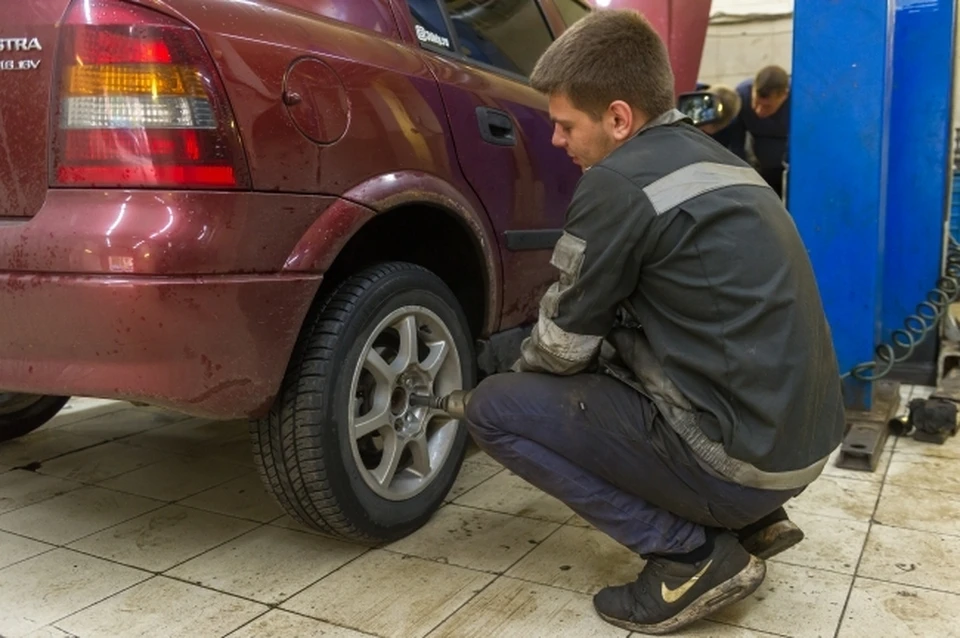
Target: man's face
[
  {"x": 586, "y": 140},
  {"x": 767, "y": 106}
]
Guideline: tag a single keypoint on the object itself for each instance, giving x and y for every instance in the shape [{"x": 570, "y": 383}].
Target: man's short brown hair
[
  {"x": 771, "y": 80},
  {"x": 607, "y": 56}
]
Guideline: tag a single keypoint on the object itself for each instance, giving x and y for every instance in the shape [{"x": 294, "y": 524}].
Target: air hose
[{"x": 916, "y": 327}]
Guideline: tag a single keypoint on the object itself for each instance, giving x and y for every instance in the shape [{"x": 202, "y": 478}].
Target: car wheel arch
[{"x": 413, "y": 208}]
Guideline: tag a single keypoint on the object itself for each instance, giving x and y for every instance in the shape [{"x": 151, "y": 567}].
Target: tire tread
[{"x": 288, "y": 457}]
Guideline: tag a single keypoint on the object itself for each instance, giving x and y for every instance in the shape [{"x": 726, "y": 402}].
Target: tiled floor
[{"x": 135, "y": 522}]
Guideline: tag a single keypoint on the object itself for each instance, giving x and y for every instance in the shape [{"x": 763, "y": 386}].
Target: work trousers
[{"x": 601, "y": 447}]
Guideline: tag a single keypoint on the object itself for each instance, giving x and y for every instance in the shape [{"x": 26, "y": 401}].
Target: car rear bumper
[{"x": 214, "y": 346}]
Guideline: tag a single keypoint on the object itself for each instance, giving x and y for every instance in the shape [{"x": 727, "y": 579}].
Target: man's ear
[{"x": 622, "y": 120}]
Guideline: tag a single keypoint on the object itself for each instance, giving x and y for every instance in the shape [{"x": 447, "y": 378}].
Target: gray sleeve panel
[
  {"x": 607, "y": 234},
  {"x": 680, "y": 186}
]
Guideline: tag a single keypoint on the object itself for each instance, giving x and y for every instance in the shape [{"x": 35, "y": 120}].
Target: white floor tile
[
  {"x": 43, "y": 589},
  {"x": 243, "y": 497},
  {"x": 163, "y": 608},
  {"x": 163, "y": 538},
  {"x": 937, "y": 512},
  {"x": 709, "y": 629},
  {"x": 41, "y": 446},
  {"x": 239, "y": 451},
  {"x": 176, "y": 478},
  {"x": 19, "y": 488},
  {"x": 910, "y": 557},
  {"x": 510, "y": 494},
  {"x": 511, "y": 607},
  {"x": 472, "y": 474},
  {"x": 74, "y": 515},
  {"x": 906, "y": 393},
  {"x": 829, "y": 543},
  {"x": 922, "y": 392},
  {"x": 949, "y": 449},
  {"x": 430, "y": 582},
  {"x": 792, "y": 601},
  {"x": 924, "y": 473},
  {"x": 837, "y": 497},
  {"x": 288, "y": 522},
  {"x": 389, "y": 595},
  {"x": 579, "y": 558},
  {"x": 878, "y": 609},
  {"x": 192, "y": 437},
  {"x": 282, "y": 624},
  {"x": 121, "y": 424},
  {"x": 102, "y": 462},
  {"x": 14, "y": 549},
  {"x": 50, "y": 631},
  {"x": 474, "y": 538},
  {"x": 476, "y": 455},
  {"x": 578, "y": 521},
  {"x": 83, "y": 409},
  {"x": 268, "y": 564}
]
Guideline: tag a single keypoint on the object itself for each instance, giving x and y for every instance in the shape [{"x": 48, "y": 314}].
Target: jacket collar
[{"x": 670, "y": 117}]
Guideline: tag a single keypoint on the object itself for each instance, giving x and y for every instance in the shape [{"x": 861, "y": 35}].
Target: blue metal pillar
[
  {"x": 840, "y": 111},
  {"x": 919, "y": 175}
]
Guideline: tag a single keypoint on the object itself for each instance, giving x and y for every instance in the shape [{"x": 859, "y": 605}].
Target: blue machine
[{"x": 869, "y": 162}]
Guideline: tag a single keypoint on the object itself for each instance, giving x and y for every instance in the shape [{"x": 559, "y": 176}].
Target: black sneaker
[
  {"x": 772, "y": 534},
  {"x": 669, "y": 594}
]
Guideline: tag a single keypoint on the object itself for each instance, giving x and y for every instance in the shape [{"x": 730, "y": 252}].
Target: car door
[{"x": 482, "y": 52}]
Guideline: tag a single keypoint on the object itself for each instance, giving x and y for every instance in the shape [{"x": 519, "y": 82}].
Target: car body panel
[
  {"x": 392, "y": 98},
  {"x": 526, "y": 186},
  {"x": 412, "y": 188},
  {"x": 141, "y": 232},
  {"x": 28, "y": 36},
  {"x": 211, "y": 346},
  {"x": 193, "y": 299},
  {"x": 394, "y": 104}
]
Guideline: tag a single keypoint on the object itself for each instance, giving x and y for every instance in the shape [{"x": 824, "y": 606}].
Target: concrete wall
[
  {"x": 736, "y": 48},
  {"x": 748, "y": 7}
]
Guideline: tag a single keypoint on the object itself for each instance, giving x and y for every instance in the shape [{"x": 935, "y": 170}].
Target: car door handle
[{"x": 496, "y": 127}]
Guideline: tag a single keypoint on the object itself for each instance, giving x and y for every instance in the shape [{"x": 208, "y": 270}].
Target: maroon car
[{"x": 294, "y": 211}]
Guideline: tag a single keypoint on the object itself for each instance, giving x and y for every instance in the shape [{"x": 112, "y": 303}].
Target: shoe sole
[
  {"x": 773, "y": 540},
  {"x": 741, "y": 585}
]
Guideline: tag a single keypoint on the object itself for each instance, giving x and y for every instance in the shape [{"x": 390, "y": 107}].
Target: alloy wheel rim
[{"x": 400, "y": 448}]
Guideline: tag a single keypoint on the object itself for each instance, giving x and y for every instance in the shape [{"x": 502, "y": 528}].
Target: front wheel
[
  {"x": 343, "y": 450},
  {"x": 24, "y": 413}
]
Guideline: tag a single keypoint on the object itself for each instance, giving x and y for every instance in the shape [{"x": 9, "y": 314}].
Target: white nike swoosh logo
[{"x": 671, "y": 596}]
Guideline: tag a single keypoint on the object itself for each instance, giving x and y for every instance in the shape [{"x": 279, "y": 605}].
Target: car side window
[
  {"x": 571, "y": 10},
  {"x": 508, "y": 34},
  {"x": 429, "y": 24}
]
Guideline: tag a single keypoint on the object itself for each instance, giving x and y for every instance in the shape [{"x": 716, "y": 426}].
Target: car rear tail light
[{"x": 140, "y": 104}]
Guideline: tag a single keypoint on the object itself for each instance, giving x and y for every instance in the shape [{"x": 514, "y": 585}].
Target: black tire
[
  {"x": 303, "y": 447},
  {"x": 24, "y": 413}
]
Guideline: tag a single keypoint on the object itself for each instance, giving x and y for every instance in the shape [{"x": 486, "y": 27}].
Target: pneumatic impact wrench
[{"x": 453, "y": 404}]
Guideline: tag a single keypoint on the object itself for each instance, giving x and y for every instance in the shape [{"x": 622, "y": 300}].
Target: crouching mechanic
[{"x": 681, "y": 384}]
